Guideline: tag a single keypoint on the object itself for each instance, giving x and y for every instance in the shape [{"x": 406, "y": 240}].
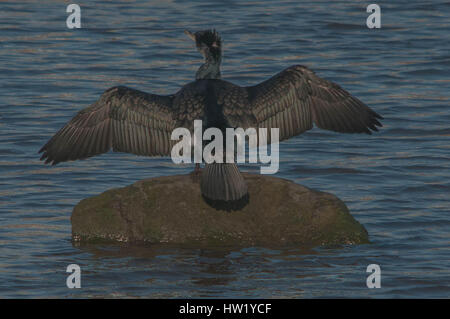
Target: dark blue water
[{"x": 396, "y": 183}]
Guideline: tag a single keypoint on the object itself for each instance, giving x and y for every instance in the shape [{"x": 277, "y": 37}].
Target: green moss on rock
[{"x": 171, "y": 210}]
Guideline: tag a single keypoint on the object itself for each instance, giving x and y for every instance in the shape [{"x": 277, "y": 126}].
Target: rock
[{"x": 171, "y": 210}]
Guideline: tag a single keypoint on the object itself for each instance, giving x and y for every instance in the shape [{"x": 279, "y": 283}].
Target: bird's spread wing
[
  {"x": 123, "y": 119},
  {"x": 234, "y": 101},
  {"x": 295, "y": 98}
]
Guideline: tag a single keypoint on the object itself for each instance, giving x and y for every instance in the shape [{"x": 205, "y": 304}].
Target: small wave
[
  {"x": 427, "y": 188},
  {"x": 343, "y": 26},
  {"x": 421, "y": 132},
  {"x": 426, "y": 72},
  {"x": 324, "y": 171}
]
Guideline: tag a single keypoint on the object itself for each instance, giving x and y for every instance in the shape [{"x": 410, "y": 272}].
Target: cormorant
[{"x": 132, "y": 121}]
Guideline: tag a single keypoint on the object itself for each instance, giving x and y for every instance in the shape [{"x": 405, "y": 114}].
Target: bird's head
[{"x": 208, "y": 43}]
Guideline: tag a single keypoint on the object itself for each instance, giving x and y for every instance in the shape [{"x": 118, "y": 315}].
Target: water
[{"x": 396, "y": 183}]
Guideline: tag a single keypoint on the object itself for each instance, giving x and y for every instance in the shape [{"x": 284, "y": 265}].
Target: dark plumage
[
  {"x": 132, "y": 121},
  {"x": 208, "y": 43}
]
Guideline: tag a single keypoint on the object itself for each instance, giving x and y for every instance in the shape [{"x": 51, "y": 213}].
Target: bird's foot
[{"x": 196, "y": 173}]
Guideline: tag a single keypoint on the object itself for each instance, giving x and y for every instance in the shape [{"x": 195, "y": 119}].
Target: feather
[{"x": 118, "y": 120}]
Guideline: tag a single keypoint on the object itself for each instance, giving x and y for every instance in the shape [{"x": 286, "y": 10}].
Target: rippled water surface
[{"x": 396, "y": 183}]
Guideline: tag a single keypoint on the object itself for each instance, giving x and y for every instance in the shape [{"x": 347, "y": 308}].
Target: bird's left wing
[{"x": 123, "y": 119}]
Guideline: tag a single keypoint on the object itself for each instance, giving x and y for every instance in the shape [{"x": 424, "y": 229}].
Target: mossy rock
[{"x": 171, "y": 210}]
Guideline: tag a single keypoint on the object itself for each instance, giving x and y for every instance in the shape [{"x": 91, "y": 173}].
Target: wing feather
[
  {"x": 295, "y": 99},
  {"x": 123, "y": 119}
]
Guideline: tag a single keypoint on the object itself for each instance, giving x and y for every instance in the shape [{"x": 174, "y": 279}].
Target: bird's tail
[{"x": 222, "y": 182}]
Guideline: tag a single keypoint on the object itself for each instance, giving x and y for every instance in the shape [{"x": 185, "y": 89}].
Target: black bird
[{"x": 132, "y": 121}]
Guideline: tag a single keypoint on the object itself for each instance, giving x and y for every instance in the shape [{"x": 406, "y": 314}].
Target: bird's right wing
[
  {"x": 295, "y": 98},
  {"x": 123, "y": 119}
]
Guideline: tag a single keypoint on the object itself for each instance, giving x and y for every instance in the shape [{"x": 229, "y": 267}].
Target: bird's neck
[{"x": 210, "y": 69}]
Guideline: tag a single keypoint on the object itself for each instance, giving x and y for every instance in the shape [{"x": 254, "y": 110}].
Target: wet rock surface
[{"x": 171, "y": 209}]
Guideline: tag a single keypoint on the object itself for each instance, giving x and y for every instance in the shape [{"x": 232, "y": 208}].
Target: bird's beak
[{"x": 190, "y": 34}]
